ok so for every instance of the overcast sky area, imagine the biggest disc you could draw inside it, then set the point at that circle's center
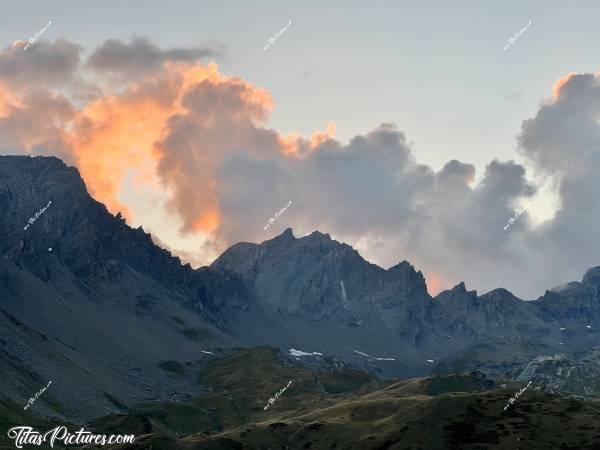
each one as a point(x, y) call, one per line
point(409, 130)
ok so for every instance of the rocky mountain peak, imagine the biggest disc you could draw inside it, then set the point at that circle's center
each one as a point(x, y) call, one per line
point(592, 277)
point(317, 235)
point(460, 288)
point(457, 293)
point(86, 240)
point(499, 294)
point(405, 274)
point(286, 236)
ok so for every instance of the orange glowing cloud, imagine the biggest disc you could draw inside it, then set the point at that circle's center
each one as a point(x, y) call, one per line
point(293, 144)
point(117, 134)
point(112, 136)
point(207, 222)
point(217, 115)
point(560, 83)
point(167, 131)
point(9, 101)
point(436, 284)
point(318, 138)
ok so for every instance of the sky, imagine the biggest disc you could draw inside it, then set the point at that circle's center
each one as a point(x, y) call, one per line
point(405, 129)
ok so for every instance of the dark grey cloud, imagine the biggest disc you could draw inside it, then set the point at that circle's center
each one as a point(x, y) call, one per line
point(370, 192)
point(38, 118)
point(373, 194)
point(43, 63)
point(140, 56)
point(219, 120)
point(565, 127)
point(563, 142)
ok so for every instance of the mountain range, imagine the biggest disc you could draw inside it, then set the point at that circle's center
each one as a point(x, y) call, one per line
point(110, 318)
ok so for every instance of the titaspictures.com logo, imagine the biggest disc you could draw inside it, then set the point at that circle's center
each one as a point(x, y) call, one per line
point(24, 435)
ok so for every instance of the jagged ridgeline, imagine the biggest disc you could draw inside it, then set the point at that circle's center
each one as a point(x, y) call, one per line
point(116, 322)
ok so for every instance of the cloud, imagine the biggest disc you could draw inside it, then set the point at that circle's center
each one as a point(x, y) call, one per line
point(183, 135)
point(34, 120)
point(566, 126)
point(185, 256)
point(373, 194)
point(141, 56)
point(45, 63)
point(563, 142)
point(221, 118)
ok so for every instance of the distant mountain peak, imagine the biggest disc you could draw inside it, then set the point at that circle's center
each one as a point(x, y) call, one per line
point(592, 277)
point(402, 266)
point(499, 294)
point(570, 286)
point(286, 236)
point(460, 287)
point(319, 235)
point(457, 292)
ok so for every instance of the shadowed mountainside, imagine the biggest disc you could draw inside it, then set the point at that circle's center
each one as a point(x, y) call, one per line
point(100, 311)
point(296, 283)
point(111, 319)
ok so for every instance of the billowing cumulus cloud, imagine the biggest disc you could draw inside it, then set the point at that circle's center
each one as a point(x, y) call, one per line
point(36, 119)
point(566, 126)
point(44, 63)
point(141, 56)
point(182, 137)
point(373, 194)
point(563, 141)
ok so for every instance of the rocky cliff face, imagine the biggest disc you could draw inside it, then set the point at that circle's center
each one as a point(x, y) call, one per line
point(389, 314)
point(90, 243)
point(386, 312)
point(91, 304)
point(578, 375)
point(304, 276)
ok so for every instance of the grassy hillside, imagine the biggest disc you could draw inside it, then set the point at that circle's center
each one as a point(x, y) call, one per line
point(347, 409)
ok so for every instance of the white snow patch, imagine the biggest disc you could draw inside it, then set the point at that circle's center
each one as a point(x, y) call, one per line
point(430, 360)
point(374, 357)
point(295, 352)
point(562, 329)
point(204, 351)
point(588, 326)
point(344, 296)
